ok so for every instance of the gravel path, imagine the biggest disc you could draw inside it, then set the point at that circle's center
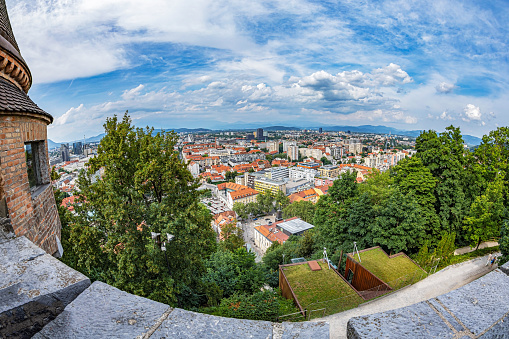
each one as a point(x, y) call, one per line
point(444, 281)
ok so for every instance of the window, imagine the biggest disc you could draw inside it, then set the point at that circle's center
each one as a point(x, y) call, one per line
point(37, 169)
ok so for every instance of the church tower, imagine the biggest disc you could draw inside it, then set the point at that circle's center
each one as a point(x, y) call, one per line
point(27, 203)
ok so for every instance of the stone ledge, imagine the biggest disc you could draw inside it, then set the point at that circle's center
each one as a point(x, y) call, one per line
point(34, 287)
point(479, 309)
point(103, 311)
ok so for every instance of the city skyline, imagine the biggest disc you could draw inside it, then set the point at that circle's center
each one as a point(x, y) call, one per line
point(203, 64)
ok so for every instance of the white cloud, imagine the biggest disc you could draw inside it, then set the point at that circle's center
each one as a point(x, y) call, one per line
point(444, 87)
point(445, 116)
point(472, 112)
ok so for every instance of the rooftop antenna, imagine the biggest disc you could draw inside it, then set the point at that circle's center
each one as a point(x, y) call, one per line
point(325, 257)
point(355, 249)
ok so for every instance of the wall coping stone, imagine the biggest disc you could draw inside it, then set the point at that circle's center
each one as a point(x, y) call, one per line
point(479, 309)
point(34, 287)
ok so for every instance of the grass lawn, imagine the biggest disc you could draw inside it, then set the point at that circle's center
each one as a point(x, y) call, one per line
point(396, 272)
point(321, 289)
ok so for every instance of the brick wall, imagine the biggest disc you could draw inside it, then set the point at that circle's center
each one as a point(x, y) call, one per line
point(32, 215)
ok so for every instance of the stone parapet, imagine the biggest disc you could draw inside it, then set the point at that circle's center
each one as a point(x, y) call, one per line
point(479, 309)
point(103, 311)
point(34, 288)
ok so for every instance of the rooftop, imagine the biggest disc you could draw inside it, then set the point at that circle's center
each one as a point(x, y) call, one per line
point(390, 269)
point(294, 225)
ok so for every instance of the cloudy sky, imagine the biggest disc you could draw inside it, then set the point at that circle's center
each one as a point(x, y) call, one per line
point(226, 64)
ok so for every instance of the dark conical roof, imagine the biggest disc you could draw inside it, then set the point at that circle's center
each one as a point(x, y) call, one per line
point(12, 65)
point(5, 26)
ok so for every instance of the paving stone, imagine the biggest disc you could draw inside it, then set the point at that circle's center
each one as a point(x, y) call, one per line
point(415, 321)
point(499, 331)
point(34, 287)
point(480, 303)
point(454, 323)
point(103, 311)
point(186, 324)
point(315, 330)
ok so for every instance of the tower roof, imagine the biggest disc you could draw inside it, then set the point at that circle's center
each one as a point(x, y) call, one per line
point(5, 26)
point(12, 66)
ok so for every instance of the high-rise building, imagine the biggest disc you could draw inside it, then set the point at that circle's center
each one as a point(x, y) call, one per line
point(320, 130)
point(64, 152)
point(26, 195)
point(259, 133)
point(293, 152)
point(77, 148)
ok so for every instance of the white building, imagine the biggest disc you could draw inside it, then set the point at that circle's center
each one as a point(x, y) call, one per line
point(293, 152)
point(297, 173)
point(194, 168)
point(277, 173)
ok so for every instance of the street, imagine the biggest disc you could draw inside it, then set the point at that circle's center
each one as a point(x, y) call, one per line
point(248, 228)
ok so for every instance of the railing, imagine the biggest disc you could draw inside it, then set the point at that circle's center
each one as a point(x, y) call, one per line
point(328, 307)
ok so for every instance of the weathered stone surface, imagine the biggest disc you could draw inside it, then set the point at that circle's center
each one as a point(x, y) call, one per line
point(315, 330)
point(185, 324)
point(416, 321)
point(499, 331)
point(447, 316)
point(479, 308)
point(481, 303)
point(103, 311)
point(34, 287)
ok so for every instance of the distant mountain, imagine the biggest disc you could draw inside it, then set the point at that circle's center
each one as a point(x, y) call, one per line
point(52, 144)
point(281, 128)
point(470, 140)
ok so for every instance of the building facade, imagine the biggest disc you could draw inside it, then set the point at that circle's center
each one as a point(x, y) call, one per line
point(263, 185)
point(26, 194)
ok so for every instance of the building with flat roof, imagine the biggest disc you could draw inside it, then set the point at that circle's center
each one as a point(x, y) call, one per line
point(293, 226)
point(277, 173)
point(263, 185)
point(310, 165)
point(329, 171)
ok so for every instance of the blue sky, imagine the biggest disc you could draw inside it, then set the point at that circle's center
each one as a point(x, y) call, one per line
point(222, 64)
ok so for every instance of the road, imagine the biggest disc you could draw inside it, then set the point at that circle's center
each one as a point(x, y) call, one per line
point(248, 228)
point(444, 281)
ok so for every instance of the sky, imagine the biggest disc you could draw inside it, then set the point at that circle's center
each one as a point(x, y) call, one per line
point(219, 64)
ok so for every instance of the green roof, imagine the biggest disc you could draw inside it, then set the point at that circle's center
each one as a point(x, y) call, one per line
point(390, 270)
point(321, 289)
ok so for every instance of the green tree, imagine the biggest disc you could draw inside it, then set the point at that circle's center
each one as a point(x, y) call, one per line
point(504, 241)
point(240, 209)
point(398, 225)
point(54, 175)
point(302, 209)
point(230, 175)
point(281, 200)
point(265, 202)
point(144, 188)
point(233, 236)
point(486, 214)
point(415, 179)
point(325, 161)
point(444, 156)
point(234, 272)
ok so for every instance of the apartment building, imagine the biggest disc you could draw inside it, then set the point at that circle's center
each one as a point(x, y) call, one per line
point(263, 184)
point(329, 171)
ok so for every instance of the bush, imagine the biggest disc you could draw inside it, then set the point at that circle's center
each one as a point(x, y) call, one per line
point(264, 305)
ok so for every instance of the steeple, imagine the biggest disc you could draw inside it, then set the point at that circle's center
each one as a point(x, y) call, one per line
point(12, 66)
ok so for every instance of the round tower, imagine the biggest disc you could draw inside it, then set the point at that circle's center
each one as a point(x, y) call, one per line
point(27, 203)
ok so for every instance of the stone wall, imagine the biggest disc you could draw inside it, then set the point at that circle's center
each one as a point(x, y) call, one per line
point(33, 213)
point(479, 309)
